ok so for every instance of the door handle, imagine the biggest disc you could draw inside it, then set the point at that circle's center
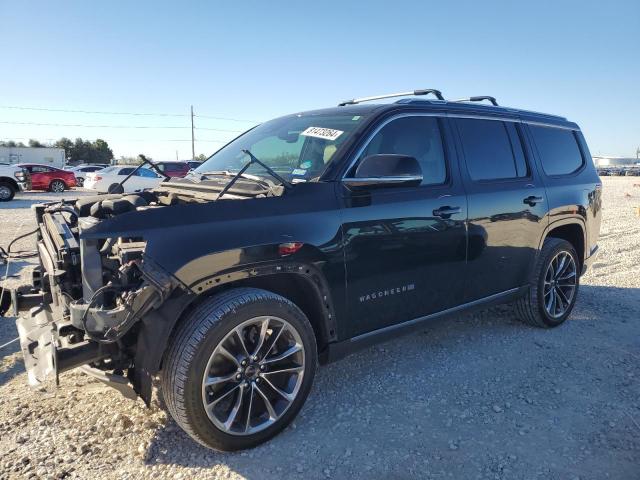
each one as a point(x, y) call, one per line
point(446, 212)
point(532, 200)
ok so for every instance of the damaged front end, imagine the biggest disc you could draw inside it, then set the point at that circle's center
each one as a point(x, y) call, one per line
point(89, 296)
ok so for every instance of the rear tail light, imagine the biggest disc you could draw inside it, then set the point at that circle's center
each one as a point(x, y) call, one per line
point(96, 177)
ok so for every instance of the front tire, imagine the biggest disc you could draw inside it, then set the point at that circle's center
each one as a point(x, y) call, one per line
point(7, 191)
point(239, 368)
point(554, 285)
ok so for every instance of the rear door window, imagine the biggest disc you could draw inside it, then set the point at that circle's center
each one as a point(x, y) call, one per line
point(492, 149)
point(558, 149)
point(125, 171)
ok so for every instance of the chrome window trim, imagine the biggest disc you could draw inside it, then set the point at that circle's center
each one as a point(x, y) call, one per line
point(445, 115)
point(549, 125)
point(380, 127)
point(398, 179)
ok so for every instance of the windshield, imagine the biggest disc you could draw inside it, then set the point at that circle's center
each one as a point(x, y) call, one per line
point(295, 147)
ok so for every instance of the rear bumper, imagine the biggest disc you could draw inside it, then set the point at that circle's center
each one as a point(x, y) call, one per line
point(586, 265)
point(24, 186)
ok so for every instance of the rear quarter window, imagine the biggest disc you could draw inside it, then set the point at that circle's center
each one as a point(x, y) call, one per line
point(558, 149)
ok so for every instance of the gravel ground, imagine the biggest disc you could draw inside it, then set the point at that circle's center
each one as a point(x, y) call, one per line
point(479, 396)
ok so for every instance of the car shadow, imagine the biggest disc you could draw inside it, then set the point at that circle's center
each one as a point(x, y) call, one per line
point(418, 368)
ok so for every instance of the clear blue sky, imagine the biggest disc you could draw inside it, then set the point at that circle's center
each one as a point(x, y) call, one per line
point(256, 60)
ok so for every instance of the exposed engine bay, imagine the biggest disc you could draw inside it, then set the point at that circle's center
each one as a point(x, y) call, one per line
point(89, 294)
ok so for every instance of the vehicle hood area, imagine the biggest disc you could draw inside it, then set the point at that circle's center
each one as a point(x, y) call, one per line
point(175, 192)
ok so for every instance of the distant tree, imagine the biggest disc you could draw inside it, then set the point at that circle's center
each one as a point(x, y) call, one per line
point(85, 151)
point(202, 157)
point(65, 143)
point(35, 143)
point(101, 151)
point(11, 143)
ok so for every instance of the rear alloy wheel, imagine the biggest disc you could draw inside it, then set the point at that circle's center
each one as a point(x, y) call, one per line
point(7, 192)
point(239, 368)
point(554, 285)
point(57, 186)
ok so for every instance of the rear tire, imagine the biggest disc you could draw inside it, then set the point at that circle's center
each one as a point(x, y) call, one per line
point(57, 186)
point(7, 192)
point(206, 375)
point(553, 287)
point(79, 182)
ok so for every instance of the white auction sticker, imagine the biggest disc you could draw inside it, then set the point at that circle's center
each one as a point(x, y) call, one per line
point(324, 133)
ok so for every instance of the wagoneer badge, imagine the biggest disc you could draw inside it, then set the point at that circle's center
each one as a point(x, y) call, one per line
point(387, 292)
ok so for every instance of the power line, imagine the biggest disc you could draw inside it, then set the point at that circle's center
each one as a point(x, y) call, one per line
point(6, 139)
point(117, 126)
point(225, 118)
point(145, 114)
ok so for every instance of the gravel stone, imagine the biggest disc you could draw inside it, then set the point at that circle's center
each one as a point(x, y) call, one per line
point(568, 397)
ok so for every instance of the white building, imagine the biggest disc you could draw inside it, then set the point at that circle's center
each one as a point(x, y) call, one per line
point(47, 155)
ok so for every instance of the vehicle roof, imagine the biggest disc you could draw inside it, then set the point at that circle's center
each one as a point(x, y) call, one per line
point(128, 166)
point(450, 107)
point(29, 164)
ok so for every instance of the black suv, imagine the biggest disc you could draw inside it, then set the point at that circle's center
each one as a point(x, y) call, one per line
point(305, 238)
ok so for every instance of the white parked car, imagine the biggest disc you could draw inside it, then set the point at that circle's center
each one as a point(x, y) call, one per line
point(104, 179)
point(81, 172)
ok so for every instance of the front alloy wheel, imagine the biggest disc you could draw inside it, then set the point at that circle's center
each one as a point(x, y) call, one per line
point(253, 375)
point(239, 368)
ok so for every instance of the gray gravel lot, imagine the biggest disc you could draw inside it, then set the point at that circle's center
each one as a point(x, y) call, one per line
point(478, 396)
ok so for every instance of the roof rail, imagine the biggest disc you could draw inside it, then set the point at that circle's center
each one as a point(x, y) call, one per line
point(478, 99)
point(425, 91)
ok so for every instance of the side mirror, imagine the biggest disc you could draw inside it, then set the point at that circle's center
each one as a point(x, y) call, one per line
point(386, 170)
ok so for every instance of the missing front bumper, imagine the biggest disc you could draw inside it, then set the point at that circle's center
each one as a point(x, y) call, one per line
point(38, 337)
point(45, 353)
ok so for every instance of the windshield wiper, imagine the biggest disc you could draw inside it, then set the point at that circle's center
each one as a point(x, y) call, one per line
point(144, 160)
point(253, 159)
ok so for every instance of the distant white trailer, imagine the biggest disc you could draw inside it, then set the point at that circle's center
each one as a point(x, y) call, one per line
point(46, 155)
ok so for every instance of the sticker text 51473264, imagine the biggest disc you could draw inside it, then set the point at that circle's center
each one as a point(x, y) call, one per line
point(324, 133)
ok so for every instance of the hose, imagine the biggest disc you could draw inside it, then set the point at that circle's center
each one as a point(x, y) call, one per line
point(83, 319)
point(6, 254)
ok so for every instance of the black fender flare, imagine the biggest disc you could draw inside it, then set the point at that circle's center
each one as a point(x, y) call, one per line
point(157, 325)
point(573, 220)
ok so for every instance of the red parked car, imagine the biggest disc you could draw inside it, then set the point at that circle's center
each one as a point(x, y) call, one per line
point(173, 169)
point(44, 177)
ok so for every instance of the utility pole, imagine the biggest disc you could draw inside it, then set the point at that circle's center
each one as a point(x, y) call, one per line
point(176, 155)
point(193, 139)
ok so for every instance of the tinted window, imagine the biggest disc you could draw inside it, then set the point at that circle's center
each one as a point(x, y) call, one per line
point(418, 137)
point(125, 171)
point(558, 148)
point(145, 172)
point(492, 149)
point(175, 167)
